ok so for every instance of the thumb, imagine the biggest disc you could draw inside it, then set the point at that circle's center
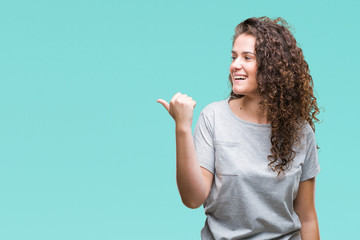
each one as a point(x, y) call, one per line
point(164, 103)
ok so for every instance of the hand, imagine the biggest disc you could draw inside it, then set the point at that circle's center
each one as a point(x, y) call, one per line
point(180, 108)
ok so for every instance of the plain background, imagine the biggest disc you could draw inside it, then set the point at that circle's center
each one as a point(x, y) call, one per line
point(86, 152)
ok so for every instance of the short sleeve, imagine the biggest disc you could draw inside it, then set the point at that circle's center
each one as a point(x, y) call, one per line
point(203, 141)
point(311, 165)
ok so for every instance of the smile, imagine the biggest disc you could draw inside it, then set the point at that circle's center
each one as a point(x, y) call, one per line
point(239, 77)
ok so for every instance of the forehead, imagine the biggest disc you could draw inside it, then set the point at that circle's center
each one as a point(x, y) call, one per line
point(244, 42)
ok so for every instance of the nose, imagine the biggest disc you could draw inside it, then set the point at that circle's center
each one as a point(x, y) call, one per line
point(237, 64)
point(236, 68)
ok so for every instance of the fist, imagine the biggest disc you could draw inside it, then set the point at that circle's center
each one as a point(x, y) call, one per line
point(181, 108)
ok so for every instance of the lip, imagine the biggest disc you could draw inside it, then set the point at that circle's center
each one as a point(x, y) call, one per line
point(238, 81)
point(238, 74)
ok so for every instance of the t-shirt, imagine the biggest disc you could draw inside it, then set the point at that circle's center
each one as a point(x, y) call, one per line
point(247, 200)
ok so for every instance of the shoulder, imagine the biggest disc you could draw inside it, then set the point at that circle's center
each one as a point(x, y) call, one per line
point(212, 108)
point(306, 129)
point(308, 134)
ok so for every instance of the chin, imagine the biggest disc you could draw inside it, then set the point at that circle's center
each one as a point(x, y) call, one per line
point(238, 91)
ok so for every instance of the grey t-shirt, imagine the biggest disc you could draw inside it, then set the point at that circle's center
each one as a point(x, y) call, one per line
point(247, 200)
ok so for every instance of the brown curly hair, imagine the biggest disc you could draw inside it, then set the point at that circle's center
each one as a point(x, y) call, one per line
point(285, 87)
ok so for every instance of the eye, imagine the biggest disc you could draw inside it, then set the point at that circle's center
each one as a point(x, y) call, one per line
point(247, 58)
point(233, 58)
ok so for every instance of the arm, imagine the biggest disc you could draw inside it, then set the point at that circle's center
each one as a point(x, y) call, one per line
point(304, 206)
point(193, 182)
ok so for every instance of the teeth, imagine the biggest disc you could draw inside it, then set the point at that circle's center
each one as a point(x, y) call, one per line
point(240, 77)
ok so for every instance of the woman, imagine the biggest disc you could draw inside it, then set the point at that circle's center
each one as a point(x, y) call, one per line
point(252, 160)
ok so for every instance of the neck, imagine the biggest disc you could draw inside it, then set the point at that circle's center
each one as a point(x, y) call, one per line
point(250, 107)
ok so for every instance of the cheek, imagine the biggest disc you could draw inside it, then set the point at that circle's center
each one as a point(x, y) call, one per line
point(254, 69)
point(231, 68)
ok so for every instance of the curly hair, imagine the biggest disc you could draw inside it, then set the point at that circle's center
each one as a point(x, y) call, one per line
point(285, 87)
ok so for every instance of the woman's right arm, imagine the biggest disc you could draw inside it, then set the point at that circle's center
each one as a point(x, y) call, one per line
point(193, 181)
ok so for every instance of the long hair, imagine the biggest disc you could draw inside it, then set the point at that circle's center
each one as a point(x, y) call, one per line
point(285, 87)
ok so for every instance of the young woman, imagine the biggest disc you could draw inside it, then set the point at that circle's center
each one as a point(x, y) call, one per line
point(252, 159)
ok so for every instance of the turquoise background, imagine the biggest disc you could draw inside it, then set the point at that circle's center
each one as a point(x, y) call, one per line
point(86, 152)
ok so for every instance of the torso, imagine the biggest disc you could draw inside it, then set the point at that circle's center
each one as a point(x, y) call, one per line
point(246, 199)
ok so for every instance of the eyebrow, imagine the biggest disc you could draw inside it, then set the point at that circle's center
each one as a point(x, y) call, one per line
point(245, 52)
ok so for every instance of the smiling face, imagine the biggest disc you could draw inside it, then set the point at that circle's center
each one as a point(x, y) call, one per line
point(243, 66)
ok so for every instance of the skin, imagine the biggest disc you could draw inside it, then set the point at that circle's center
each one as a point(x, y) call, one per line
point(193, 187)
point(304, 206)
point(244, 62)
point(194, 182)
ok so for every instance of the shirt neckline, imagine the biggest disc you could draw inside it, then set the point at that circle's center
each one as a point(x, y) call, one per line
point(243, 121)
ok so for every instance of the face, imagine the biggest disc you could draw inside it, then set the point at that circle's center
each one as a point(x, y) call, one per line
point(243, 66)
